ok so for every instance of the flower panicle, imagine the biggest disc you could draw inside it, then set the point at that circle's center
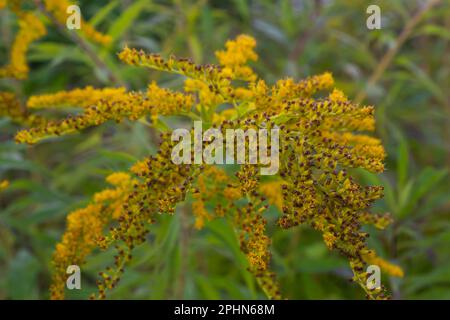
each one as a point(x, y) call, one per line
point(208, 73)
point(11, 107)
point(373, 259)
point(318, 145)
point(85, 228)
point(3, 185)
point(288, 89)
point(102, 105)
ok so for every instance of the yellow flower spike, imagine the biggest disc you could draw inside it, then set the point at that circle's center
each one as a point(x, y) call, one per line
point(337, 96)
point(122, 181)
point(232, 193)
point(192, 85)
point(10, 106)
point(289, 89)
point(206, 95)
point(103, 105)
point(217, 174)
point(200, 214)
point(255, 245)
point(367, 152)
point(119, 179)
point(379, 221)
point(83, 98)
point(329, 239)
point(140, 168)
point(83, 227)
point(243, 94)
point(228, 114)
point(31, 28)
point(90, 33)
point(3, 185)
point(238, 52)
point(318, 142)
point(389, 268)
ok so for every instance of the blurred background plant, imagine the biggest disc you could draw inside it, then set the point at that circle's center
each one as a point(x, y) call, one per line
point(403, 69)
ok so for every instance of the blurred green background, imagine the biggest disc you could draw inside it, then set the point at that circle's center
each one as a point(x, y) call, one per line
point(403, 69)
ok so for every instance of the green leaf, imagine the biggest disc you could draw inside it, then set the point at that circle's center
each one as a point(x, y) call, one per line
point(225, 232)
point(428, 178)
point(402, 163)
point(126, 19)
point(425, 80)
point(22, 276)
point(403, 197)
point(103, 13)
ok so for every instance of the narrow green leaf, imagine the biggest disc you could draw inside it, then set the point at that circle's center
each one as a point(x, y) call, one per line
point(103, 13)
point(124, 22)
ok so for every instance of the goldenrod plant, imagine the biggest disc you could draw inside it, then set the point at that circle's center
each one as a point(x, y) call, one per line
point(114, 160)
point(318, 145)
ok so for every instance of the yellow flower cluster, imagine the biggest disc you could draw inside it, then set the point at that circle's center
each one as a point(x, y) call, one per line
point(256, 245)
point(318, 144)
point(377, 220)
point(371, 258)
point(161, 185)
point(209, 73)
point(216, 187)
point(273, 192)
point(288, 89)
point(85, 228)
point(102, 105)
point(166, 102)
point(11, 107)
point(236, 56)
point(198, 205)
point(3, 185)
point(82, 98)
point(213, 185)
point(30, 29)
